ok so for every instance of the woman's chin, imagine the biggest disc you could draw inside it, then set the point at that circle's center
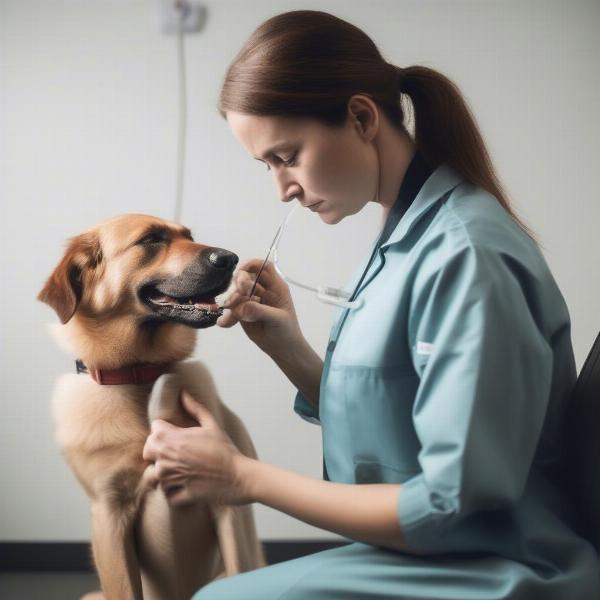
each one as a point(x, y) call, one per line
point(331, 217)
point(330, 220)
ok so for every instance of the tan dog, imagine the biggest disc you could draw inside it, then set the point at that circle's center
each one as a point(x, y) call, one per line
point(130, 294)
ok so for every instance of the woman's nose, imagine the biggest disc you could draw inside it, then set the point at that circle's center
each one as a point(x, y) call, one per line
point(290, 193)
point(287, 190)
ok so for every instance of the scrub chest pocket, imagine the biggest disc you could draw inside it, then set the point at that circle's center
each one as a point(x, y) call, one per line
point(376, 398)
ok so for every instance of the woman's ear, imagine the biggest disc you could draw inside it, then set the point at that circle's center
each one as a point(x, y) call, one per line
point(364, 115)
point(64, 288)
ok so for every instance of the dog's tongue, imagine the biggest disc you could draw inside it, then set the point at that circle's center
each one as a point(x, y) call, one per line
point(163, 298)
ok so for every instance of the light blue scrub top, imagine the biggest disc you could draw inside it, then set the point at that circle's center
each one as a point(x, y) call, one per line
point(452, 379)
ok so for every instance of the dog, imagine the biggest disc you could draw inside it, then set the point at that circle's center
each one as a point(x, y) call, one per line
point(131, 294)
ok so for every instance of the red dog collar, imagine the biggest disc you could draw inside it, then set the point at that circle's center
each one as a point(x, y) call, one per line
point(134, 374)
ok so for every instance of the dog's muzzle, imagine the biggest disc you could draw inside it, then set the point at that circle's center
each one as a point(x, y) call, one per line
point(189, 297)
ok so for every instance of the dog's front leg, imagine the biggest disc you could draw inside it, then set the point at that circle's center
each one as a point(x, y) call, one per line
point(114, 551)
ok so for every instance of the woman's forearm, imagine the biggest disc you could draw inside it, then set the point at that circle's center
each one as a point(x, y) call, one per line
point(365, 512)
point(303, 367)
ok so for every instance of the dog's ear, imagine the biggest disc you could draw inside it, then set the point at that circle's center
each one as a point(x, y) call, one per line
point(64, 287)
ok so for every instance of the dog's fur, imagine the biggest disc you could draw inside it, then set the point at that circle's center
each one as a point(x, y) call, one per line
point(143, 546)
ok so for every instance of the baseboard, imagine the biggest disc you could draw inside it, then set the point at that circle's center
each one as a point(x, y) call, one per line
point(76, 556)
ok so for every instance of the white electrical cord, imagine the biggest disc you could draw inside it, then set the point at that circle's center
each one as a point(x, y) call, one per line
point(182, 129)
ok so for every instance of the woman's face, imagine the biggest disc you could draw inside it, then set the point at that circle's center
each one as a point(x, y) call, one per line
point(334, 171)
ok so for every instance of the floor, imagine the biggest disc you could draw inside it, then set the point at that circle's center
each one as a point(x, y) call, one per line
point(39, 585)
point(71, 585)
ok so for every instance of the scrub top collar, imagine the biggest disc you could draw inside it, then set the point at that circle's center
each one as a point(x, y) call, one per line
point(417, 173)
point(442, 180)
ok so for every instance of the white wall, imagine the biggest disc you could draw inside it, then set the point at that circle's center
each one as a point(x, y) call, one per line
point(88, 129)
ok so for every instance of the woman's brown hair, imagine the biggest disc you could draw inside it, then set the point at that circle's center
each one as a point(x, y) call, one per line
point(308, 64)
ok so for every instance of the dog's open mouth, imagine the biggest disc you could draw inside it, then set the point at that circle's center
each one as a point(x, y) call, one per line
point(206, 304)
point(198, 311)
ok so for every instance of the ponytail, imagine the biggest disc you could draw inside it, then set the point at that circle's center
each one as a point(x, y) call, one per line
point(446, 131)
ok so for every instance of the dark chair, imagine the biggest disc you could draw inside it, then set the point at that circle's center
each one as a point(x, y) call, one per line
point(583, 447)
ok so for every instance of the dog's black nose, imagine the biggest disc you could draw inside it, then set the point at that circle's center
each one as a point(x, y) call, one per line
point(222, 259)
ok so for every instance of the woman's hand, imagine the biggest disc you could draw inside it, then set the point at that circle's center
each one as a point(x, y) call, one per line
point(269, 318)
point(195, 463)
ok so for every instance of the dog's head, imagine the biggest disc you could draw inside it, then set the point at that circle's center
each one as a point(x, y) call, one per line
point(139, 278)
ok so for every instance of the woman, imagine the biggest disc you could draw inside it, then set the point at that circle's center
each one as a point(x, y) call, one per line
point(443, 394)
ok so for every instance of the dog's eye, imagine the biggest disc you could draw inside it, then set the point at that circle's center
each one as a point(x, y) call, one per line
point(152, 238)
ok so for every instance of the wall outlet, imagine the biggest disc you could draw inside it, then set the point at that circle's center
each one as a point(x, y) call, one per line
point(191, 16)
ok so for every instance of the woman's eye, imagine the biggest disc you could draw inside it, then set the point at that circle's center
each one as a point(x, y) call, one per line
point(290, 162)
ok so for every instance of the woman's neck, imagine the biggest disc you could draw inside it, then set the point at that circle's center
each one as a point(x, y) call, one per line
point(396, 151)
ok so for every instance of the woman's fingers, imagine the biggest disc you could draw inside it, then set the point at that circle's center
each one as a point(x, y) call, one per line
point(178, 496)
point(268, 275)
point(236, 310)
point(238, 298)
point(239, 291)
point(245, 282)
point(149, 476)
point(227, 319)
point(242, 284)
point(251, 312)
point(174, 487)
point(252, 265)
point(268, 294)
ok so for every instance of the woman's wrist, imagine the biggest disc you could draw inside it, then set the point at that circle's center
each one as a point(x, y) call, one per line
point(303, 367)
point(290, 352)
point(245, 478)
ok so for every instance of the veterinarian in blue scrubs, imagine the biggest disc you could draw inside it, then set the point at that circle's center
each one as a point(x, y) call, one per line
point(442, 397)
